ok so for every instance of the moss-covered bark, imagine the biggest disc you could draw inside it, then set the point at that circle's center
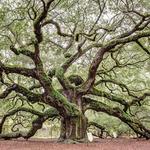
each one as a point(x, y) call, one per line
point(73, 129)
point(131, 121)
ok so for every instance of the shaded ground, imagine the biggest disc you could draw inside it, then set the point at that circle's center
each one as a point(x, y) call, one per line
point(102, 144)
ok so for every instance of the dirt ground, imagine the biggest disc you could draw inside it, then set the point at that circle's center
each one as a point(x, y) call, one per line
point(101, 144)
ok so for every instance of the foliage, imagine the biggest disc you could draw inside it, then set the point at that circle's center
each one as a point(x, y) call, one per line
point(77, 61)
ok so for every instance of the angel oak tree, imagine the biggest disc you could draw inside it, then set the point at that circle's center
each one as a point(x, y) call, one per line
point(43, 41)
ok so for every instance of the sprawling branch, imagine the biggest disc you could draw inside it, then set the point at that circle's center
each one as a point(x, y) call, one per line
point(32, 97)
point(18, 70)
point(110, 97)
point(22, 51)
point(132, 122)
point(121, 85)
point(143, 48)
point(36, 124)
point(77, 55)
point(99, 56)
point(59, 31)
point(120, 100)
point(139, 99)
point(138, 27)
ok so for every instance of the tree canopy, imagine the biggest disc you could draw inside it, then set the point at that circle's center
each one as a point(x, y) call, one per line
point(68, 59)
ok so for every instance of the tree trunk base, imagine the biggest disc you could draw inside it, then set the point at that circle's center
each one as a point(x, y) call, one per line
point(70, 141)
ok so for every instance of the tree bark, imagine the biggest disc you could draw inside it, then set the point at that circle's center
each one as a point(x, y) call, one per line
point(73, 129)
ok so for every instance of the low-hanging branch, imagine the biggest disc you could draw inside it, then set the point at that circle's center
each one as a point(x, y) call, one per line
point(32, 97)
point(109, 96)
point(132, 122)
point(126, 103)
point(36, 123)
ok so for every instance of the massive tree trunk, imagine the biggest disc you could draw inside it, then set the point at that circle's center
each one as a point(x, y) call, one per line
point(73, 129)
